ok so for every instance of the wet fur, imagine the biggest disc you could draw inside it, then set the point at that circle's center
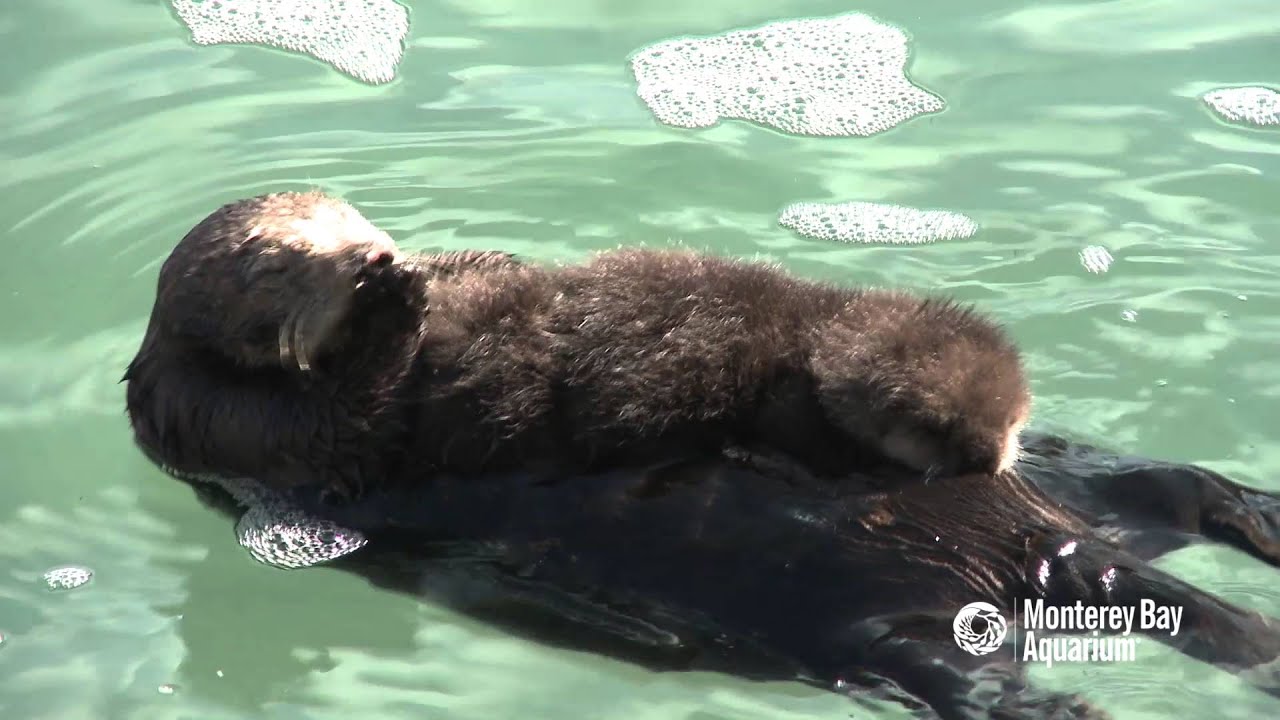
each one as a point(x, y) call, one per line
point(707, 564)
point(471, 362)
point(642, 350)
point(446, 368)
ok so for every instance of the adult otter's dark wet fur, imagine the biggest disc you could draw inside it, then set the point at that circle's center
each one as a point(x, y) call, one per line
point(290, 343)
point(706, 564)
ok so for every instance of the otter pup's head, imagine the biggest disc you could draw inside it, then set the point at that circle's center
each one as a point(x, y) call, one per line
point(271, 280)
point(930, 383)
point(974, 444)
point(960, 395)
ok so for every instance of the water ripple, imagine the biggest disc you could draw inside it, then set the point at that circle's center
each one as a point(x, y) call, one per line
point(515, 126)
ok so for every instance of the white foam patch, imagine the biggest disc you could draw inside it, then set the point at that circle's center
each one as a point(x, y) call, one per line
point(277, 533)
point(1256, 105)
point(842, 75)
point(362, 38)
point(68, 577)
point(1096, 259)
point(289, 538)
point(864, 222)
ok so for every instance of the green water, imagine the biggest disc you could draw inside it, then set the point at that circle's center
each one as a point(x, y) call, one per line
point(1067, 125)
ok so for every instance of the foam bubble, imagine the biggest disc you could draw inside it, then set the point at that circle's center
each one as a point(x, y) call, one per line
point(67, 577)
point(277, 533)
point(1257, 105)
point(1095, 259)
point(362, 38)
point(842, 75)
point(865, 222)
point(289, 538)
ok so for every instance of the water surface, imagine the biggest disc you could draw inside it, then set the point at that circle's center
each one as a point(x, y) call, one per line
point(514, 125)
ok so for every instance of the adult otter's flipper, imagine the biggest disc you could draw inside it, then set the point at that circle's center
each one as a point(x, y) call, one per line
point(1154, 507)
point(914, 652)
point(1063, 569)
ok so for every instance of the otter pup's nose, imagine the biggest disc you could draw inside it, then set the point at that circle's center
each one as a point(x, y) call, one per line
point(379, 257)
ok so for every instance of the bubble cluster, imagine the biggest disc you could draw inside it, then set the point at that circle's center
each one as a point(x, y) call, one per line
point(864, 222)
point(285, 537)
point(68, 577)
point(362, 38)
point(1257, 105)
point(842, 75)
point(1095, 259)
point(277, 533)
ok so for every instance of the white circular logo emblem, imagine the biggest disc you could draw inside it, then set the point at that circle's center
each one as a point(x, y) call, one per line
point(989, 633)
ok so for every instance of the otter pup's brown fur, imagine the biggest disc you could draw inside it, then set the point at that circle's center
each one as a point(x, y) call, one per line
point(290, 341)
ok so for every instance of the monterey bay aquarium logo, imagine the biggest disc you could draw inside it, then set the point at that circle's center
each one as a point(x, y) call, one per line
point(1070, 633)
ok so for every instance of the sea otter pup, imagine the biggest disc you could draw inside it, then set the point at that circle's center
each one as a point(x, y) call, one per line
point(292, 342)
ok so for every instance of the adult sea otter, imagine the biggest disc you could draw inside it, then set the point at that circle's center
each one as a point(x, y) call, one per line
point(568, 426)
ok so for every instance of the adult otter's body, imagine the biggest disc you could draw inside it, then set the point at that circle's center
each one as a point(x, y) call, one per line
point(707, 564)
point(345, 364)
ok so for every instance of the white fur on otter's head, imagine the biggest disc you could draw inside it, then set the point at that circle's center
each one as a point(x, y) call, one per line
point(270, 280)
